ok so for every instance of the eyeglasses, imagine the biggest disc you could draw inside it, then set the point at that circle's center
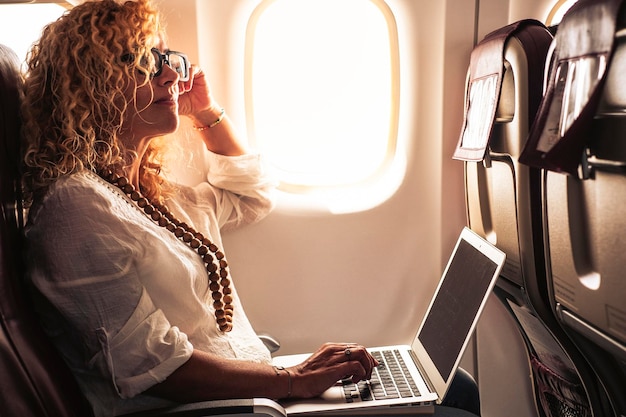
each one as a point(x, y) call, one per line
point(175, 60)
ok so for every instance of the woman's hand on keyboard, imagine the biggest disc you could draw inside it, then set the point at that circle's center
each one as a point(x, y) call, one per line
point(330, 363)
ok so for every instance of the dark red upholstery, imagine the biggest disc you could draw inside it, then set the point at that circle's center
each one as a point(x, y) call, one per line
point(33, 379)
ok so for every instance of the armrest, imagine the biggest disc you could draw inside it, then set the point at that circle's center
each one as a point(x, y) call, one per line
point(260, 407)
point(270, 342)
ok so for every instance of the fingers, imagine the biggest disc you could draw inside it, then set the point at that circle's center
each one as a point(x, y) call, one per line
point(186, 86)
point(329, 364)
point(194, 95)
point(358, 359)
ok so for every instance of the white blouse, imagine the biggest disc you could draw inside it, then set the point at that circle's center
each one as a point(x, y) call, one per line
point(122, 298)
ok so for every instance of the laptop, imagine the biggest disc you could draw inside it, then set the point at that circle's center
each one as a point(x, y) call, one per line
point(413, 378)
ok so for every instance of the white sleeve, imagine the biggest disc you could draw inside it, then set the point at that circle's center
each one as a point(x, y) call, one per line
point(143, 352)
point(82, 260)
point(238, 191)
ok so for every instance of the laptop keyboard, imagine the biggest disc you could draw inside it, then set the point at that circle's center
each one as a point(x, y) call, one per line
point(390, 379)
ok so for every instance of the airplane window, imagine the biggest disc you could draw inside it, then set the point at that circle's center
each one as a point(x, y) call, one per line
point(557, 12)
point(19, 36)
point(322, 90)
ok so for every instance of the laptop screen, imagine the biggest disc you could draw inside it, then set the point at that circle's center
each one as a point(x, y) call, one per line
point(452, 313)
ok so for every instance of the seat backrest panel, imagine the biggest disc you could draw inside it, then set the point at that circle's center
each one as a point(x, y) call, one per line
point(585, 228)
point(584, 217)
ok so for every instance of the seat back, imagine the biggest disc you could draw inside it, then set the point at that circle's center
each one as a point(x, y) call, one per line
point(503, 200)
point(585, 228)
point(35, 381)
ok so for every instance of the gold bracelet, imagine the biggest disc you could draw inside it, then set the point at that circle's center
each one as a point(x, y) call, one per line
point(282, 368)
point(215, 123)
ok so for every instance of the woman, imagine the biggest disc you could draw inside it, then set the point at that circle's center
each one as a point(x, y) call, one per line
point(126, 268)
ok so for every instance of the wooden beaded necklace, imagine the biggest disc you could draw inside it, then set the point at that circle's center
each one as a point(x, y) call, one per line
point(219, 281)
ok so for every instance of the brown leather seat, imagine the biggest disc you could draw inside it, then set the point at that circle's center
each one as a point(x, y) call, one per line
point(34, 382)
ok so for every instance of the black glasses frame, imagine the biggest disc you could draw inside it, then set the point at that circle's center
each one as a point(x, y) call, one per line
point(183, 70)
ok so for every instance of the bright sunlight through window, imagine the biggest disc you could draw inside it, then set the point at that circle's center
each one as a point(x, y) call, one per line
point(21, 24)
point(322, 90)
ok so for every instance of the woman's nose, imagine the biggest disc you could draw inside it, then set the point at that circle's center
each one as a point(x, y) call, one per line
point(168, 75)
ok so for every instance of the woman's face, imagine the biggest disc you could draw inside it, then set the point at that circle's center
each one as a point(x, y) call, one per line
point(152, 109)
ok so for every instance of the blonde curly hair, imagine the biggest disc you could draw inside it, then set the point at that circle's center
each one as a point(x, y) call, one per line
point(74, 102)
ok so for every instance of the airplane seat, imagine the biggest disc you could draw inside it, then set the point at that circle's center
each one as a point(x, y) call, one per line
point(584, 223)
point(503, 202)
point(35, 382)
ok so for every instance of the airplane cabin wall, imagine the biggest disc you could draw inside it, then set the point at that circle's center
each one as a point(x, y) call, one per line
point(305, 275)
